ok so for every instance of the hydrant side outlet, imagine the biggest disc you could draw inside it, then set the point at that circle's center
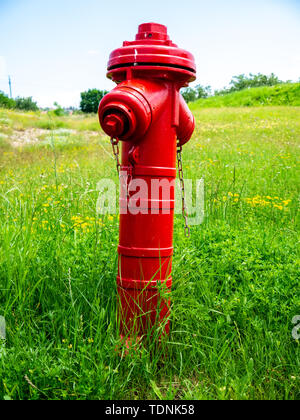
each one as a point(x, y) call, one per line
point(149, 115)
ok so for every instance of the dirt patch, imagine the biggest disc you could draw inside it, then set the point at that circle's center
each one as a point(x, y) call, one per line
point(29, 136)
point(32, 136)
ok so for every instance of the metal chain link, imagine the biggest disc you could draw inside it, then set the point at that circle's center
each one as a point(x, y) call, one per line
point(115, 147)
point(181, 179)
point(116, 152)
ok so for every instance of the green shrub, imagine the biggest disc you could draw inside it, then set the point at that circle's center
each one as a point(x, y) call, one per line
point(6, 102)
point(192, 94)
point(90, 100)
point(49, 124)
point(58, 111)
point(26, 104)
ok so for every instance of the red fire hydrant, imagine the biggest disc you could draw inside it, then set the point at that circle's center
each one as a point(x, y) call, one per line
point(148, 114)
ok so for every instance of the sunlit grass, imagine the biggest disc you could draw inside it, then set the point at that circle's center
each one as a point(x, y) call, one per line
point(282, 94)
point(236, 280)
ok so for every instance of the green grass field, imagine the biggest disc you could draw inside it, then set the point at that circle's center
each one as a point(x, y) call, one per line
point(236, 280)
point(283, 94)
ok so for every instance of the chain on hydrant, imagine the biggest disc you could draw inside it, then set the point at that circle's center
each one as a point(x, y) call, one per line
point(181, 179)
point(115, 148)
point(124, 180)
point(147, 113)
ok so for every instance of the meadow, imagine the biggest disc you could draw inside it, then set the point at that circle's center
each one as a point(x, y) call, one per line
point(281, 94)
point(235, 280)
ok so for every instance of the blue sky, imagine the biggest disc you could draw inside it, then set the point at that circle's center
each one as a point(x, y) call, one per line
point(55, 49)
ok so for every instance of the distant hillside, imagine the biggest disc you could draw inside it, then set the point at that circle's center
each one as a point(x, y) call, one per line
point(283, 94)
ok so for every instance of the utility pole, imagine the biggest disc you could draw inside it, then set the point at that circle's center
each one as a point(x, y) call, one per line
point(9, 82)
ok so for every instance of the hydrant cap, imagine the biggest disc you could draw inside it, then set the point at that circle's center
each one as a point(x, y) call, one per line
point(114, 124)
point(152, 49)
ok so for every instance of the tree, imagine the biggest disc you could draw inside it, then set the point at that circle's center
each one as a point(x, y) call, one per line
point(6, 102)
point(90, 100)
point(192, 94)
point(203, 91)
point(26, 104)
point(241, 81)
point(189, 94)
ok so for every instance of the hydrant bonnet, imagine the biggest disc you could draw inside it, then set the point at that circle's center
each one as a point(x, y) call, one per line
point(152, 50)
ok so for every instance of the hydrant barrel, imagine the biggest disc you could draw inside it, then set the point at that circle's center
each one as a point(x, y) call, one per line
point(147, 113)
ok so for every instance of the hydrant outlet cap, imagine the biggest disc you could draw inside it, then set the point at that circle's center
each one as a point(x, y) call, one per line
point(114, 124)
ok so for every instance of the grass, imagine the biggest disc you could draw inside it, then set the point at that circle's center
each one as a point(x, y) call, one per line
point(236, 280)
point(18, 120)
point(284, 94)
